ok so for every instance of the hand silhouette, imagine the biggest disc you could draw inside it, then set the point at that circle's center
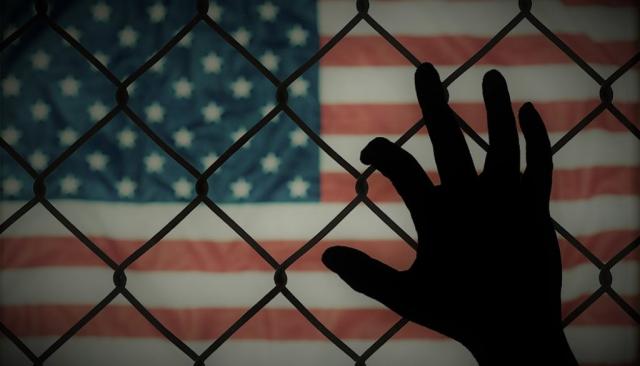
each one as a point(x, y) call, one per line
point(487, 271)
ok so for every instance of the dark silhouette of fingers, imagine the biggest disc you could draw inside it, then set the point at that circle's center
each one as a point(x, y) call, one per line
point(367, 275)
point(503, 157)
point(538, 174)
point(450, 149)
point(407, 176)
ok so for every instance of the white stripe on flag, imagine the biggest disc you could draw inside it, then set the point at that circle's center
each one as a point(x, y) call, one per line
point(183, 289)
point(395, 84)
point(581, 217)
point(590, 148)
point(479, 18)
point(592, 345)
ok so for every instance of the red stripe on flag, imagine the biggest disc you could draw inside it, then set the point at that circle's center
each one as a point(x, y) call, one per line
point(616, 3)
point(207, 323)
point(396, 119)
point(633, 363)
point(569, 184)
point(513, 50)
point(267, 324)
point(604, 311)
point(212, 256)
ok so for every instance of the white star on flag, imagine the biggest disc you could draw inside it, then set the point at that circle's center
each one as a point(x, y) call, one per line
point(74, 33)
point(212, 112)
point(40, 60)
point(299, 87)
point(270, 60)
point(298, 187)
point(186, 40)
point(69, 184)
point(298, 138)
point(267, 108)
point(235, 136)
point(157, 12)
point(242, 36)
point(67, 136)
point(38, 160)
point(11, 186)
point(131, 89)
point(11, 135)
point(102, 57)
point(268, 11)
point(183, 137)
point(297, 36)
point(97, 161)
point(126, 187)
point(215, 11)
point(212, 63)
point(10, 86)
point(128, 37)
point(40, 110)
point(69, 86)
point(127, 138)
point(154, 162)
point(154, 112)
point(97, 111)
point(270, 163)
point(241, 88)
point(158, 67)
point(183, 88)
point(101, 12)
point(208, 160)
point(241, 188)
point(182, 188)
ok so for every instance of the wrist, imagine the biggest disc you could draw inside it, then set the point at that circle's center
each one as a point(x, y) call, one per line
point(526, 346)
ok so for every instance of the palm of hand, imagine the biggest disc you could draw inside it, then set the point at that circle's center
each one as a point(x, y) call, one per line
point(487, 256)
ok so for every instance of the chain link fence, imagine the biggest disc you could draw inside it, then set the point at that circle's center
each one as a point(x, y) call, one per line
point(361, 14)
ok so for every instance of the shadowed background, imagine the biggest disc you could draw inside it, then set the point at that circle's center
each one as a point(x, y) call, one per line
point(120, 187)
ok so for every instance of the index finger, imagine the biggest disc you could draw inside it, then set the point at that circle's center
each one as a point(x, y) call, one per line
point(450, 149)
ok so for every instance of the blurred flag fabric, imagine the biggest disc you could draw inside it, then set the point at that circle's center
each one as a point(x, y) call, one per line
point(120, 188)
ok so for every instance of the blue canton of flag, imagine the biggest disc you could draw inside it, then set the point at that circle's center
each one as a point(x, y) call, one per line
point(200, 98)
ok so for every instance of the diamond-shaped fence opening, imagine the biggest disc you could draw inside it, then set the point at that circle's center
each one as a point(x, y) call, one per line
point(33, 309)
point(207, 285)
point(352, 316)
point(285, 326)
point(615, 43)
point(612, 88)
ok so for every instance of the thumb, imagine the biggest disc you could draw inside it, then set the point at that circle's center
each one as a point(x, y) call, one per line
point(366, 275)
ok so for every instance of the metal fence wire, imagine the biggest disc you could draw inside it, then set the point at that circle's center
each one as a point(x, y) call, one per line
point(361, 14)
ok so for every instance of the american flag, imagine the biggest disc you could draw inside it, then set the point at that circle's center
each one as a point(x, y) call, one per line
point(120, 188)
